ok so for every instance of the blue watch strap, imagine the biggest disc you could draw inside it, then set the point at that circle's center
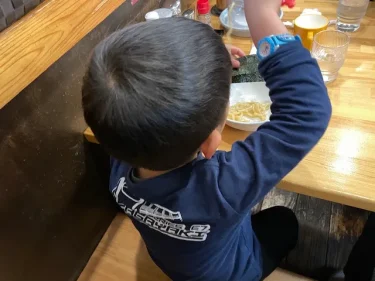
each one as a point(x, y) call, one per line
point(270, 44)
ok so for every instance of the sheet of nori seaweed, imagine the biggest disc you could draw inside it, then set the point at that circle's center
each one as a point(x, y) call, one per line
point(248, 71)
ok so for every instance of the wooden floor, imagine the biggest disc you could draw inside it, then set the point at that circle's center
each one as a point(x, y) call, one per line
point(327, 234)
point(121, 255)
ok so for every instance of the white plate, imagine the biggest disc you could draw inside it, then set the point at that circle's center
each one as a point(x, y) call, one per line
point(240, 27)
point(246, 92)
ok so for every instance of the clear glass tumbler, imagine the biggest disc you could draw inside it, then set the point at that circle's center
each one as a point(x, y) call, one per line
point(350, 14)
point(236, 14)
point(329, 49)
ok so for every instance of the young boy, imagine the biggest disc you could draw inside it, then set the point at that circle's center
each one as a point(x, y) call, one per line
point(156, 96)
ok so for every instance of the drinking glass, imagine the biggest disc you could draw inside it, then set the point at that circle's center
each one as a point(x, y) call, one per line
point(350, 14)
point(329, 49)
point(236, 13)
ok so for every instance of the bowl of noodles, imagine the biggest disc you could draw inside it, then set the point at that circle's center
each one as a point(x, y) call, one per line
point(249, 106)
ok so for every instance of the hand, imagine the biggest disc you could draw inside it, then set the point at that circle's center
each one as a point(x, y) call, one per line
point(263, 18)
point(235, 53)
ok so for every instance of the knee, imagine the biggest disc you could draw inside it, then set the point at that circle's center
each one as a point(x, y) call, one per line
point(293, 225)
point(290, 221)
point(288, 216)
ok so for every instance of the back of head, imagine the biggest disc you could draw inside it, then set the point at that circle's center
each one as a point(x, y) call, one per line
point(154, 91)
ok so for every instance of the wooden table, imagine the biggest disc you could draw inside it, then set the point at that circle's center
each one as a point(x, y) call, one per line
point(341, 168)
point(36, 41)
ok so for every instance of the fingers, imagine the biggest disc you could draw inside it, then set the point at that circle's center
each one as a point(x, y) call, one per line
point(237, 52)
point(234, 53)
point(235, 63)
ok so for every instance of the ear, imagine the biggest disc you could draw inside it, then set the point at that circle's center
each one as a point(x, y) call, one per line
point(210, 145)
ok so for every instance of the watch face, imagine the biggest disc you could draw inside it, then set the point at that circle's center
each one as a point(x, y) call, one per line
point(285, 37)
point(265, 49)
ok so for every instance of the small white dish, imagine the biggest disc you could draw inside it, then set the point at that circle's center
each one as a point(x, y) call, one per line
point(159, 14)
point(246, 92)
point(240, 27)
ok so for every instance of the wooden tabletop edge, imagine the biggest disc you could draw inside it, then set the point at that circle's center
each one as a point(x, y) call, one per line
point(89, 135)
point(37, 40)
point(324, 193)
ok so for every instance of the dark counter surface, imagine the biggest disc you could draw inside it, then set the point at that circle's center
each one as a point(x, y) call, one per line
point(54, 199)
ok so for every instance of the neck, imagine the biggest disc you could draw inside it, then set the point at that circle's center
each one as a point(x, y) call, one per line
point(148, 174)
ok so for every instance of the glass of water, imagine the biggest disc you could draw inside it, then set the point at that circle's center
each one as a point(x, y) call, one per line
point(329, 49)
point(350, 14)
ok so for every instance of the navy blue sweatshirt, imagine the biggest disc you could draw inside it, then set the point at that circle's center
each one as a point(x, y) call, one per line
point(195, 220)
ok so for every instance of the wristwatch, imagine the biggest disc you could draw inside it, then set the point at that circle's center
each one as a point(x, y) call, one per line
point(270, 44)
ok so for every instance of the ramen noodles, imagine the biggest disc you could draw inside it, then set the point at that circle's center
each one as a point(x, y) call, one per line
point(249, 111)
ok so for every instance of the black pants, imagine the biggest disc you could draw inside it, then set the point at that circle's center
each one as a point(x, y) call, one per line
point(361, 262)
point(277, 231)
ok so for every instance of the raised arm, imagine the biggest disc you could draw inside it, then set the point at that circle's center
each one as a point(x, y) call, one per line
point(300, 109)
point(263, 18)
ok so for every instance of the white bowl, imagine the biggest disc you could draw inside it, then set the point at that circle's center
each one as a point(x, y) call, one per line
point(159, 14)
point(246, 92)
point(240, 27)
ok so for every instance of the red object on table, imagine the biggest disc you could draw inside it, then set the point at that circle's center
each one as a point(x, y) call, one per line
point(289, 3)
point(203, 7)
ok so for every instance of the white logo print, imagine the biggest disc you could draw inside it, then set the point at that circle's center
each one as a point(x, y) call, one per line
point(157, 217)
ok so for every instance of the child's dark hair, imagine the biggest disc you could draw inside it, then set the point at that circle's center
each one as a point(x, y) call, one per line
point(154, 91)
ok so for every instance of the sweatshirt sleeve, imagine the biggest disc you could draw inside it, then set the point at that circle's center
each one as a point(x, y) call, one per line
point(301, 111)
